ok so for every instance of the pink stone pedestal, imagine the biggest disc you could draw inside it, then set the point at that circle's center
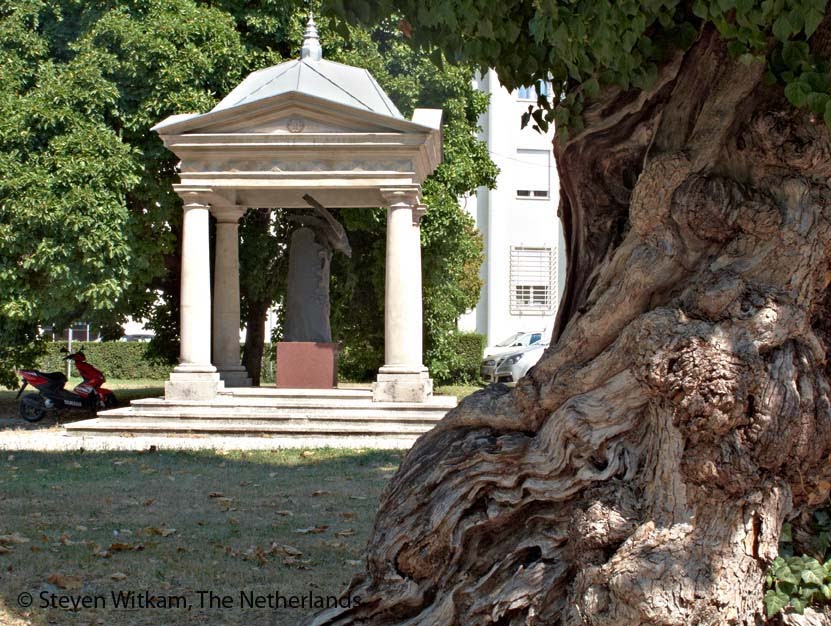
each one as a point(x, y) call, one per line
point(306, 365)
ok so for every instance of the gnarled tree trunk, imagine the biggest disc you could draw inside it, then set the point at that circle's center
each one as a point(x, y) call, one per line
point(641, 473)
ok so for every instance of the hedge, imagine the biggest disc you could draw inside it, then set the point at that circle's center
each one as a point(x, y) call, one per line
point(127, 360)
point(463, 359)
point(117, 359)
point(469, 350)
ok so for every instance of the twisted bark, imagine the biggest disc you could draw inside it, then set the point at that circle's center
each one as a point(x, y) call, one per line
point(641, 473)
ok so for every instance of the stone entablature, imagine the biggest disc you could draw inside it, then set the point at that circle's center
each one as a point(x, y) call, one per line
point(219, 148)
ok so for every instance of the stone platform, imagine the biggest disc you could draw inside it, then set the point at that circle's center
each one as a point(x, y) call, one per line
point(338, 418)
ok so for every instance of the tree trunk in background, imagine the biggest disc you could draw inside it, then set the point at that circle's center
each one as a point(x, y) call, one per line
point(252, 352)
point(641, 473)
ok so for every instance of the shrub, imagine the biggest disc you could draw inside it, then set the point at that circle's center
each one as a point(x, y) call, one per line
point(117, 359)
point(359, 361)
point(462, 364)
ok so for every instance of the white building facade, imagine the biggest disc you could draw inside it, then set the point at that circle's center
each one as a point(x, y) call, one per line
point(524, 268)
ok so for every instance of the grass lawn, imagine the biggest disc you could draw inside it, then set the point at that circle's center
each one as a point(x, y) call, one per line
point(87, 525)
point(95, 526)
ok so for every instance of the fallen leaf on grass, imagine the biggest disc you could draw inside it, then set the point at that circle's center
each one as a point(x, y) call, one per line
point(346, 533)
point(284, 513)
point(118, 576)
point(164, 532)
point(314, 530)
point(65, 582)
point(14, 538)
point(4, 549)
point(216, 494)
point(125, 547)
point(255, 552)
point(320, 492)
point(347, 515)
point(357, 497)
point(281, 548)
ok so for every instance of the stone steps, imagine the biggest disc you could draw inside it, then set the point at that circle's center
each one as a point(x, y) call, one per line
point(274, 414)
point(308, 418)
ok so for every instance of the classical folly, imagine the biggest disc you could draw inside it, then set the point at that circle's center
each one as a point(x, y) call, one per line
point(308, 126)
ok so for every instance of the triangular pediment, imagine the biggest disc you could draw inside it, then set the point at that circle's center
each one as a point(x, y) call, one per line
point(288, 114)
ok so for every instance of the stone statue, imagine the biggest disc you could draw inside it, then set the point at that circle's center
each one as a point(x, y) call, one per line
point(310, 253)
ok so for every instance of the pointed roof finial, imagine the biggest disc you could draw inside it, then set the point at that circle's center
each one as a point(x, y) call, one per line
point(311, 49)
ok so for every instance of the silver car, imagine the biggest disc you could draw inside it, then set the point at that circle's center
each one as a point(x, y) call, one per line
point(511, 366)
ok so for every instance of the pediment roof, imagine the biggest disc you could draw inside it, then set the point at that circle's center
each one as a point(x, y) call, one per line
point(270, 115)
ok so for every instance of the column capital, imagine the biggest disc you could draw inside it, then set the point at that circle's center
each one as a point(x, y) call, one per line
point(227, 214)
point(398, 196)
point(418, 212)
point(193, 197)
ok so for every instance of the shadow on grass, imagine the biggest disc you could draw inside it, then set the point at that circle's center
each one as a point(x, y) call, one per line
point(270, 534)
point(10, 417)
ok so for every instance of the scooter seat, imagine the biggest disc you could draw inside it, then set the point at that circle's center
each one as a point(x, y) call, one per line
point(57, 377)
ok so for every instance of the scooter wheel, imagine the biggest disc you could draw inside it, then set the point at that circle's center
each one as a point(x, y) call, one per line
point(32, 410)
point(110, 401)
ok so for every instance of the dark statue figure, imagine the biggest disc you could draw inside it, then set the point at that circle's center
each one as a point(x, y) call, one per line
point(310, 253)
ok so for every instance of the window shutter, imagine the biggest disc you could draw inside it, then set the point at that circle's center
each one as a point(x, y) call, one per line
point(532, 173)
point(533, 280)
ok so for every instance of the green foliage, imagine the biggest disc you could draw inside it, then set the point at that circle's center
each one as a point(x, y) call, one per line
point(583, 47)
point(462, 366)
point(88, 218)
point(123, 360)
point(798, 581)
point(20, 348)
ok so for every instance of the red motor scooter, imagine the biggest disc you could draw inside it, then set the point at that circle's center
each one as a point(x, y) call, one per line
point(88, 395)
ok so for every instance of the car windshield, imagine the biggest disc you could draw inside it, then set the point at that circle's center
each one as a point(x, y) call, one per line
point(509, 341)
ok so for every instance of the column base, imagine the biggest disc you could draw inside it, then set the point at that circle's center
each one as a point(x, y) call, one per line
point(234, 375)
point(193, 382)
point(399, 384)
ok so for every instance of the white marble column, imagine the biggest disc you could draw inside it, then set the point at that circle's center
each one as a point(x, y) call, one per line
point(194, 378)
point(403, 378)
point(226, 313)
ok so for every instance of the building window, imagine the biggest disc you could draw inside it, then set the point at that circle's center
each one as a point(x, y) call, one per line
point(533, 174)
point(541, 88)
point(533, 280)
